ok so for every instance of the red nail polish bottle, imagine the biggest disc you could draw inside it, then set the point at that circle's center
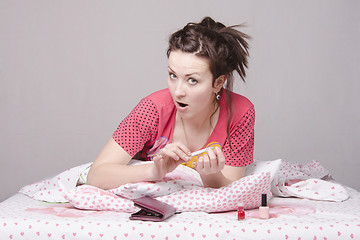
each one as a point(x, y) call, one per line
point(241, 212)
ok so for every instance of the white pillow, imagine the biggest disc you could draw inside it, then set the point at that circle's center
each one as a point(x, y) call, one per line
point(264, 166)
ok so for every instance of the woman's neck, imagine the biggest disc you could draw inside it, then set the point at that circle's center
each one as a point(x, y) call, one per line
point(203, 119)
point(196, 131)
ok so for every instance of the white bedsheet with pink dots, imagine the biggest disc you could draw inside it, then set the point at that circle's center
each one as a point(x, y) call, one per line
point(22, 217)
point(305, 204)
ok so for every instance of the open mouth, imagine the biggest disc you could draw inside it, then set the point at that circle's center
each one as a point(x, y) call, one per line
point(182, 104)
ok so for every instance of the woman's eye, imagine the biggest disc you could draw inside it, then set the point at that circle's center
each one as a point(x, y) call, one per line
point(192, 81)
point(172, 76)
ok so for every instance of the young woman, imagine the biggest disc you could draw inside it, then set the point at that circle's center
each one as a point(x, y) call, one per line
point(197, 109)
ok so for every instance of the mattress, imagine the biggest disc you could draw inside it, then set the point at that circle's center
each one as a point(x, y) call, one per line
point(22, 217)
point(305, 203)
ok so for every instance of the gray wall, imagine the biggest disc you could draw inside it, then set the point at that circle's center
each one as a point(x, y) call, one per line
point(71, 70)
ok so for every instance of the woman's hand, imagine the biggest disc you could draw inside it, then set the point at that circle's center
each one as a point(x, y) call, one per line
point(169, 158)
point(210, 163)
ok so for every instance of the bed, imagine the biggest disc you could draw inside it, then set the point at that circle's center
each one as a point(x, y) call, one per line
point(62, 207)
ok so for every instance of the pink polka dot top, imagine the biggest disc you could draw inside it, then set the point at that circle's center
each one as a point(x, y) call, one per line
point(150, 125)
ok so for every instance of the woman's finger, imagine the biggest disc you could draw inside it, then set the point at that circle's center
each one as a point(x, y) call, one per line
point(206, 163)
point(166, 152)
point(220, 157)
point(176, 151)
point(184, 149)
point(212, 158)
point(181, 154)
point(199, 164)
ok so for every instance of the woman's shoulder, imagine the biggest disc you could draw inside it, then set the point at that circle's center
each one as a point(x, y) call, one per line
point(242, 107)
point(240, 102)
point(160, 95)
point(161, 99)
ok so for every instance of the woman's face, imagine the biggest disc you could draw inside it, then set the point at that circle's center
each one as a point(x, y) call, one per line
point(190, 84)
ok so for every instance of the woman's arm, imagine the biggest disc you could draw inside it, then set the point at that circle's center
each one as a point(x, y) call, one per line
point(223, 178)
point(110, 169)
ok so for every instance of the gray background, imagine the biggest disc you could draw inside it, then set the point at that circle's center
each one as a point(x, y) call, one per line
point(70, 71)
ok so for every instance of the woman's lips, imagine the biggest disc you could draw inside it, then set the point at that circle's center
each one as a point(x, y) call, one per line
point(182, 106)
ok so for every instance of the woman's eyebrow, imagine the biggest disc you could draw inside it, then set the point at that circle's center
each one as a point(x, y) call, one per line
point(186, 75)
point(170, 69)
point(194, 73)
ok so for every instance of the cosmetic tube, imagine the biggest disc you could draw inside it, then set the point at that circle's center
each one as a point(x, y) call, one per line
point(241, 212)
point(264, 209)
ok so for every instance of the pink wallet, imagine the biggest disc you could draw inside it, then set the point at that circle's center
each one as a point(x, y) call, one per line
point(152, 210)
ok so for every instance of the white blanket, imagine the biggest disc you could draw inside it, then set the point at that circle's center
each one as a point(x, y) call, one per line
point(183, 188)
point(309, 180)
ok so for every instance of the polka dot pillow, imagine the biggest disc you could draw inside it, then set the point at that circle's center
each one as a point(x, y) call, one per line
point(246, 190)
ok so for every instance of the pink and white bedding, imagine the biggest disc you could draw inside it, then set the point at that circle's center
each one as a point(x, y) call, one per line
point(322, 209)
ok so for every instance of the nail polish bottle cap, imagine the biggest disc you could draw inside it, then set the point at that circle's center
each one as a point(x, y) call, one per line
point(263, 200)
point(240, 207)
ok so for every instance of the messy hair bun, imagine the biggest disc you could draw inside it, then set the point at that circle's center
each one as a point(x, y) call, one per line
point(225, 47)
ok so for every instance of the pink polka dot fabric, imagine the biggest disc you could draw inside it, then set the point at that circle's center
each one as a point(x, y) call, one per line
point(184, 198)
point(242, 142)
point(153, 120)
point(138, 128)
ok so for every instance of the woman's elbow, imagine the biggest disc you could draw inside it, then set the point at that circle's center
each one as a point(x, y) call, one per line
point(94, 179)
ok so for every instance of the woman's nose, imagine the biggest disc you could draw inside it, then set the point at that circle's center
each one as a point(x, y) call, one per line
point(179, 90)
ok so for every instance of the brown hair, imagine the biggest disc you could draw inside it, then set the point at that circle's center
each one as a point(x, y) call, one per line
point(225, 47)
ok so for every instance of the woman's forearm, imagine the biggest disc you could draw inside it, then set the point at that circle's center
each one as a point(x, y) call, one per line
point(215, 180)
point(224, 177)
point(112, 175)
